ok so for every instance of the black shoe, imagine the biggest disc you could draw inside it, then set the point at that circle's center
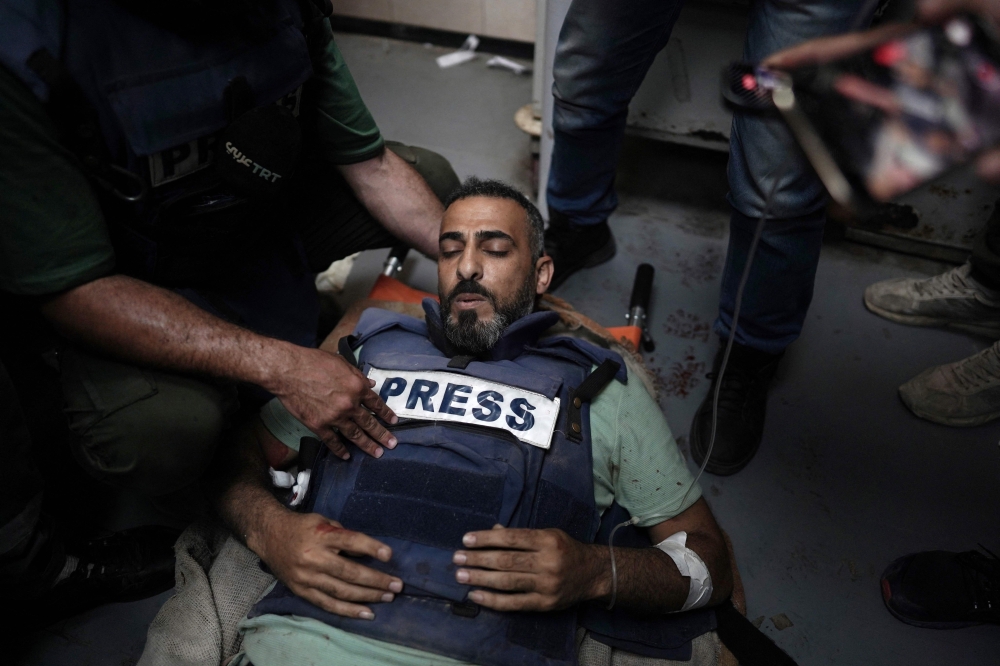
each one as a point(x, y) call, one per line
point(742, 405)
point(941, 590)
point(125, 566)
point(573, 247)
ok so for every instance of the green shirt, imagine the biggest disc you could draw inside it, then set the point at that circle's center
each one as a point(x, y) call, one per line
point(636, 462)
point(54, 236)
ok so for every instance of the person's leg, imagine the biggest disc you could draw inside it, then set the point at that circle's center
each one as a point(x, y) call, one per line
point(433, 167)
point(780, 284)
point(768, 178)
point(965, 298)
point(148, 431)
point(943, 590)
point(47, 575)
point(32, 555)
point(985, 259)
point(603, 54)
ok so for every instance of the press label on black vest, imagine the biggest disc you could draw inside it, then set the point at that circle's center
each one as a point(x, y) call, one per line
point(446, 396)
point(187, 158)
point(179, 161)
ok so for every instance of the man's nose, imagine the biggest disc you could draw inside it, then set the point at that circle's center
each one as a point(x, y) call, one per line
point(469, 266)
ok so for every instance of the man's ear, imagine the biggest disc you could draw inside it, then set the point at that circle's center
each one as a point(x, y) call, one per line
point(544, 269)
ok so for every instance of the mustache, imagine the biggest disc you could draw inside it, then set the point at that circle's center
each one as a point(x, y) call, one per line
point(471, 287)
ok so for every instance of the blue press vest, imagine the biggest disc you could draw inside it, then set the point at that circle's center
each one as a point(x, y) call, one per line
point(445, 479)
point(159, 100)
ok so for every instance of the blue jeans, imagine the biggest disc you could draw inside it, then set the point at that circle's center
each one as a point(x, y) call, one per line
point(605, 49)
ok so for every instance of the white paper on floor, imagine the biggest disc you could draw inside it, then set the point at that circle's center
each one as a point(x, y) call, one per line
point(504, 63)
point(465, 53)
point(334, 278)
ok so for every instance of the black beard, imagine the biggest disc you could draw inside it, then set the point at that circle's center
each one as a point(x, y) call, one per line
point(472, 337)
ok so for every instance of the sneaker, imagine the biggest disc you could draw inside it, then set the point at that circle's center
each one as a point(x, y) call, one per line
point(965, 393)
point(742, 407)
point(942, 590)
point(125, 566)
point(573, 247)
point(954, 299)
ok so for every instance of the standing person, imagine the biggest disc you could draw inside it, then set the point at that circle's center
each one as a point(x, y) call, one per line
point(941, 589)
point(604, 51)
point(172, 175)
point(47, 575)
point(966, 298)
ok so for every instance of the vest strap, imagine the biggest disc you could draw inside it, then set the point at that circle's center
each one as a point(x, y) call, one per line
point(460, 362)
point(346, 349)
point(588, 389)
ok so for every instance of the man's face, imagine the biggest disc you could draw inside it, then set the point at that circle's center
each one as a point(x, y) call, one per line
point(487, 275)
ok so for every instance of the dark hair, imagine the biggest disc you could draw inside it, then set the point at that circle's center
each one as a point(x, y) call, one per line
point(497, 189)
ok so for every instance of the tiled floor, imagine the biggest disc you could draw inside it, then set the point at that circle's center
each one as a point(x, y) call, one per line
point(846, 479)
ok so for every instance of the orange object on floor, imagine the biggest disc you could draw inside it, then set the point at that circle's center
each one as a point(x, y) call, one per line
point(630, 334)
point(391, 289)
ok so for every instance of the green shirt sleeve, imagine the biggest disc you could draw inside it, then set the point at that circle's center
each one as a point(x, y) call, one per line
point(636, 460)
point(346, 133)
point(53, 236)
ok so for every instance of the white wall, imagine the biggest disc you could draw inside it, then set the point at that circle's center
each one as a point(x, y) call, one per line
point(508, 19)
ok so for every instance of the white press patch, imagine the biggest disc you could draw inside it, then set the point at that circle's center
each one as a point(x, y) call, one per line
point(447, 396)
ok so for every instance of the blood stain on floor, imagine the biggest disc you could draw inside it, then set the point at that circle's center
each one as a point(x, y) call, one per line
point(687, 325)
point(683, 375)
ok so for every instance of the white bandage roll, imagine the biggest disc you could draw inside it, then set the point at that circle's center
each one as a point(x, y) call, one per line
point(690, 565)
point(281, 479)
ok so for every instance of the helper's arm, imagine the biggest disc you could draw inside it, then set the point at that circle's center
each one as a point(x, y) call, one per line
point(303, 550)
point(139, 322)
point(541, 570)
point(399, 198)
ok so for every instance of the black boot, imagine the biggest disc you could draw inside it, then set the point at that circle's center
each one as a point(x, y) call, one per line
point(573, 247)
point(942, 590)
point(124, 566)
point(742, 404)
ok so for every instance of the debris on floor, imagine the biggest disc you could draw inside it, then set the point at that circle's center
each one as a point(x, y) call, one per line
point(781, 621)
point(504, 63)
point(333, 278)
point(465, 53)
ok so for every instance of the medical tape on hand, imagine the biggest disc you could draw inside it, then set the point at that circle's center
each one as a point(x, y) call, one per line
point(298, 483)
point(690, 565)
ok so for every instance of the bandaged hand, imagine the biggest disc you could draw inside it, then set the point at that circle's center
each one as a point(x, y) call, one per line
point(530, 570)
point(310, 554)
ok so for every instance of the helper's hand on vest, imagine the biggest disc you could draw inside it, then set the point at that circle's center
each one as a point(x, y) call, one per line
point(531, 570)
point(327, 394)
point(307, 553)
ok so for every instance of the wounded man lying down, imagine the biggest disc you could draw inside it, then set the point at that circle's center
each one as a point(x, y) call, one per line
point(475, 531)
